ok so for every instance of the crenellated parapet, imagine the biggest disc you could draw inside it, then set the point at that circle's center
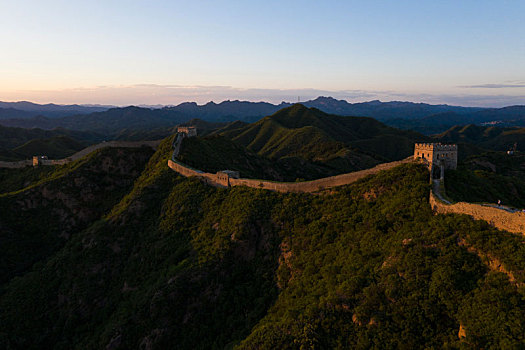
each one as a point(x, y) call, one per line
point(437, 154)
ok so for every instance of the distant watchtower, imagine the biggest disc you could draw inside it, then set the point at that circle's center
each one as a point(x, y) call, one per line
point(39, 160)
point(437, 154)
point(188, 130)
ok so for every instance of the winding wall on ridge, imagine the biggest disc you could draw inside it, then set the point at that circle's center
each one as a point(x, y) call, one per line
point(221, 180)
point(304, 186)
point(82, 153)
point(499, 218)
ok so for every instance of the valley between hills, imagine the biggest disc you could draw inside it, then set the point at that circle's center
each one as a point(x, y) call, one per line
point(115, 250)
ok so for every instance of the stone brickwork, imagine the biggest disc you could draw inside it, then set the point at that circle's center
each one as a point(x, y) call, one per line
point(499, 218)
point(446, 156)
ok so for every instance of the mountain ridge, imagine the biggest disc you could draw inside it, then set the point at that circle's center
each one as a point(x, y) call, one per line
point(396, 113)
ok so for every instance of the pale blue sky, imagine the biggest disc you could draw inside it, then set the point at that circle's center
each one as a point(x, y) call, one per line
point(461, 52)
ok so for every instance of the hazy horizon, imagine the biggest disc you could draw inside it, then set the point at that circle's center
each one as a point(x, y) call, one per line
point(466, 53)
point(155, 95)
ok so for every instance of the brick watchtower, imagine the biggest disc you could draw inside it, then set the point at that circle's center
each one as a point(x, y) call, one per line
point(188, 130)
point(437, 154)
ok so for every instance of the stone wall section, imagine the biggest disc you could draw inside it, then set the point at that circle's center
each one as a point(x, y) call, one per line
point(502, 219)
point(499, 218)
point(125, 144)
point(306, 186)
point(82, 153)
point(220, 180)
point(19, 164)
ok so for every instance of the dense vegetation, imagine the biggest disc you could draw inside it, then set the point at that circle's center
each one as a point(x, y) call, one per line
point(178, 264)
point(215, 152)
point(18, 143)
point(298, 143)
point(43, 207)
point(16, 179)
point(315, 135)
point(489, 177)
point(485, 137)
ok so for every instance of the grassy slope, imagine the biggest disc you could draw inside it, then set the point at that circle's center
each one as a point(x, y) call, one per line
point(351, 143)
point(178, 262)
point(214, 153)
point(487, 137)
point(55, 148)
point(19, 143)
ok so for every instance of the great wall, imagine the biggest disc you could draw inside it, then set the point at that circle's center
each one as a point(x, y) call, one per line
point(443, 156)
point(225, 179)
point(497, 217)
point(40, 160)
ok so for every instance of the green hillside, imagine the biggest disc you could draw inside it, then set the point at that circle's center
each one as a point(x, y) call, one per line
point(56, 147)
point(314, 135)
point(489, 177)
point(179, 264)
point(487, 137)
point(43, 207)
point(18, 143)
point(215, 152)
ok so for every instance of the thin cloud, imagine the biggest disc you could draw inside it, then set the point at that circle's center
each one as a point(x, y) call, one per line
point(493, 86)
point(155, 95)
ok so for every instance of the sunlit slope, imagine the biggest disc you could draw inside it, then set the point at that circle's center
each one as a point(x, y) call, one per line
point(312, 134)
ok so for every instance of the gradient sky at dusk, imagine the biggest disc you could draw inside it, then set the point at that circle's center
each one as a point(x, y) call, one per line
point(166, 52)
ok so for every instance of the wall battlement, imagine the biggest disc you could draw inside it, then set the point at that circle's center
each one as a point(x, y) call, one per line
point(436, 146)
point(437, 154)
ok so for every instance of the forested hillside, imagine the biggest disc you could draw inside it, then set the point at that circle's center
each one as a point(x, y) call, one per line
point(179, 264)
point(312, 134)
point(487, 137)
point(43, 207)
point(19, 143)
point(489, 177)
point(302, 143)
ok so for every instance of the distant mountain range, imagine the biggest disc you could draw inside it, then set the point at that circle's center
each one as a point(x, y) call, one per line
point(24, 109)
point(424, 118)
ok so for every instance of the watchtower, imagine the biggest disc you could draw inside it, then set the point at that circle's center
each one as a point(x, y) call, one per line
point(188, 130)
point(39, 160)
point(437, 154)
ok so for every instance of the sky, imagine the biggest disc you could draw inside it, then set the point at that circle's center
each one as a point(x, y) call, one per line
point(114, 52)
